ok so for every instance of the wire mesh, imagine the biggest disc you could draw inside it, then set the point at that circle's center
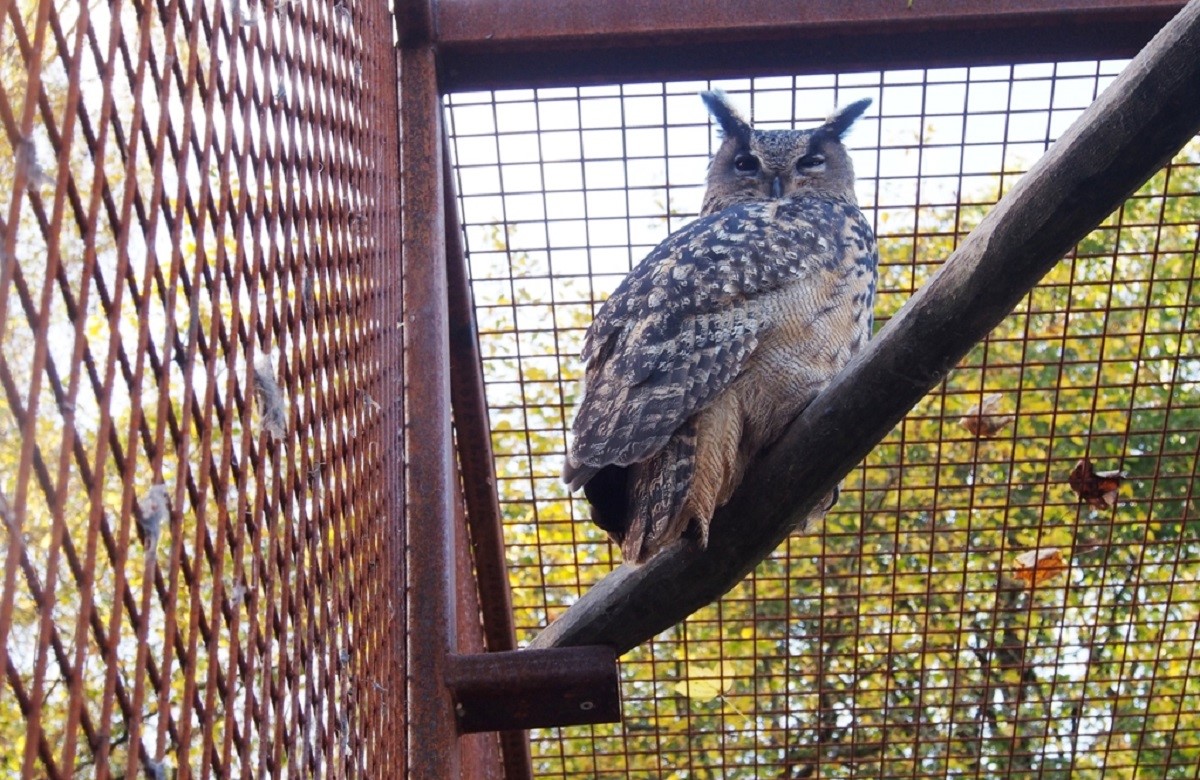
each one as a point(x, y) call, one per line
point(969, 607)
point(190, 448)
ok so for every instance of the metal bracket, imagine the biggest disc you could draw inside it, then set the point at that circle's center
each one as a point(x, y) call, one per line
point(524, 689)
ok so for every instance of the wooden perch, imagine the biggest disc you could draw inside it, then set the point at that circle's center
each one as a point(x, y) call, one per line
point(1128, 134)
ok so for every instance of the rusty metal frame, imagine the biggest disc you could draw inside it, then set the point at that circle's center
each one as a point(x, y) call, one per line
point(489, 44)
point(429, 460)
point(454, 688)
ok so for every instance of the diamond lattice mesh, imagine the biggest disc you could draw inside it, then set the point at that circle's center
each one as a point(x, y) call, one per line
point(190, 389)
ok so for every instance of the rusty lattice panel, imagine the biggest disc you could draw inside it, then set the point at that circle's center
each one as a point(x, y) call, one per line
point(965, 611)
point(191, 389)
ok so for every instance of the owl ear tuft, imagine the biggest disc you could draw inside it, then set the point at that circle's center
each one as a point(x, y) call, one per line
point(842, 119)
point(732, 124)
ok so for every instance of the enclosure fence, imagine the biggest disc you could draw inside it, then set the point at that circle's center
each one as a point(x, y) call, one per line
point(201, 531)
point(291, 299)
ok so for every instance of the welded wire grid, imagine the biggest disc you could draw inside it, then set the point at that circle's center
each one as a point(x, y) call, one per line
point(191, 389)
point(965, 611)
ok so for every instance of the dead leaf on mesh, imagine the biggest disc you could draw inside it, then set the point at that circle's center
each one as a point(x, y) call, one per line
point(984, 420)
point(1098, 488)
point(1033, 567)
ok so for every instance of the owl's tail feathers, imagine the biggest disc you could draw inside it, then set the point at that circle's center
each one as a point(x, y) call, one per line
point(641, 506)
point(658, 490)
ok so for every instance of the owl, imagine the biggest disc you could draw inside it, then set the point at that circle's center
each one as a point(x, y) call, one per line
point(713, 344)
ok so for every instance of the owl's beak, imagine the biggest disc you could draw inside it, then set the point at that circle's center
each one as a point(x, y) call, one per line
point(776, 188)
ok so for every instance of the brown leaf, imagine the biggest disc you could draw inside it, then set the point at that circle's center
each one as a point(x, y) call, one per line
point(1033, 567)
point(1098, 488)
point(984, 419)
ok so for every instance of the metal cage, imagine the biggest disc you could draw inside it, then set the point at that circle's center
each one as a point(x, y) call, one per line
point(292, 296)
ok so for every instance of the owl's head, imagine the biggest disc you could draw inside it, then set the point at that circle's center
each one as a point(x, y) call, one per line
point(756, 165)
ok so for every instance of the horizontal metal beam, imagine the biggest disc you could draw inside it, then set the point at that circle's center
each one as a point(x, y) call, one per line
point(488, 44)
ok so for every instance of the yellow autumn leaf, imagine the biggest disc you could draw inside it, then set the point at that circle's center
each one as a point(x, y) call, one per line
point(678, 726)
point(703, 683)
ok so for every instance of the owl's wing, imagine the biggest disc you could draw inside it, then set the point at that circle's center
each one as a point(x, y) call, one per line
point(679, 329)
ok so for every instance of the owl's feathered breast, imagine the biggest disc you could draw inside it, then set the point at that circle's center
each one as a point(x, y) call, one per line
point(680, 327)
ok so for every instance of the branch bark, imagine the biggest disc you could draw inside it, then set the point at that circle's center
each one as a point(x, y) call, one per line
point(1130, 132)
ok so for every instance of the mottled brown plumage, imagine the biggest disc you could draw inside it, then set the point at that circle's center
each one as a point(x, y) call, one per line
point(724, 333)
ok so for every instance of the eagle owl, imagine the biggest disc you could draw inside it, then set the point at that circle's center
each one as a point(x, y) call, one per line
point(724, 333)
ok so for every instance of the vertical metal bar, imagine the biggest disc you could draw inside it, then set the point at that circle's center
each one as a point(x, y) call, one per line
point(481, 757)
point(386, 731)
point(478, 465)
point(474, 436)
point(429, 455)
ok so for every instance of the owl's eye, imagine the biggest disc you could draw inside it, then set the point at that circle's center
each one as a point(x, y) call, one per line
point(746, 163)
point(810, 162)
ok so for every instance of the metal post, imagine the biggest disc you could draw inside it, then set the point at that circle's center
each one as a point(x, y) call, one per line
point(430, 485)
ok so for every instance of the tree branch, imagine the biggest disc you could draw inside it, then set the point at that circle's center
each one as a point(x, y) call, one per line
point(1128, 134)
